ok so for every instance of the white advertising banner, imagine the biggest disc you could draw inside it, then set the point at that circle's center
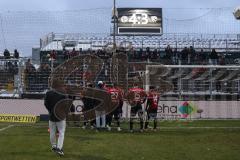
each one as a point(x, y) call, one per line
point(166, 109)
point(22, 107)
point(199, 109)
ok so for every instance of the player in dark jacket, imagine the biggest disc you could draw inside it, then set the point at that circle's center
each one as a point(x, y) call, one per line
point(51, 100)
point(89, 103)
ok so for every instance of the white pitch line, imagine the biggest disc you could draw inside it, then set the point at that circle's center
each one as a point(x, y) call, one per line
point(182, 127)
point(199, 127)
point(174, 127)
point(2, 129)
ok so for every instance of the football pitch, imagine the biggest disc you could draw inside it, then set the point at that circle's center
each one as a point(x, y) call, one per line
point(175, 140)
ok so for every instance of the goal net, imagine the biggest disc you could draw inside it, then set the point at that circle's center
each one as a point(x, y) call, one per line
point(196, 91)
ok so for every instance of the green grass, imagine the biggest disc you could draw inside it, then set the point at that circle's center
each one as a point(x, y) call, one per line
point(3, 126)
point(174, 141)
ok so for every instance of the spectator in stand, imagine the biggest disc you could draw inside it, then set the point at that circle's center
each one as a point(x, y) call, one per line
point(16, 54)
point(29, 66)
point(197, 58)
point(80, 51)
point(202, 57)
point(222, 60)
point(130, 53)
point(148, 53)
point(191, 55)
point(93, 52)
point(175, 57)
point(40, 69)
point(140, 53)
point(135, 56)
point(6, 54)
point(73, 53)
point(43, 73)
point(154, 54)
point(169, 53)
point(143, 55)
point(30, 75)
point(213, 57)
point(47, 68)
point(184, 55)
point(65, 53)
point(10, 67)
point(89, 50)
point(53, 55)
point(44, 68)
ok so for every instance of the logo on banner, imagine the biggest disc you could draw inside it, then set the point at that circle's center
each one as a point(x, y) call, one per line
point(18, 118)
point(78, 104)
point(187, 109)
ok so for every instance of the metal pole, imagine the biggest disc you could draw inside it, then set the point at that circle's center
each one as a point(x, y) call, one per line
point(180, 88)
point(20, 78)
point(114, 26)
point(211, 84)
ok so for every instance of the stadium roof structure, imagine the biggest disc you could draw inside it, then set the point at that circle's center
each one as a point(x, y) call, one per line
point(221, 42)
point(23, 29)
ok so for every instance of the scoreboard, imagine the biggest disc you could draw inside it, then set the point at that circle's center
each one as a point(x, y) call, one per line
point(139, 21)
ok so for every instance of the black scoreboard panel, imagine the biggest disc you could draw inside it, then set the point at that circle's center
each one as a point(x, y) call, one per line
point(139, 21)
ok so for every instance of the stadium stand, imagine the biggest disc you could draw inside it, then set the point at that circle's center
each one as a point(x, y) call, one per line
point(61, 45)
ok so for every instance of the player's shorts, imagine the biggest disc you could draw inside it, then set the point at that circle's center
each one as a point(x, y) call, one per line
point(118, 110)
point(152, 113)
point(137, 110)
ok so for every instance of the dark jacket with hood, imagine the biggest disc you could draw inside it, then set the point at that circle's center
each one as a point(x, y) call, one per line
point(51, 99)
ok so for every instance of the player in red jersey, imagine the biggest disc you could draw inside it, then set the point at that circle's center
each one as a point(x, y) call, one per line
point(136, 96)
point(152, 107)
point(116, 95)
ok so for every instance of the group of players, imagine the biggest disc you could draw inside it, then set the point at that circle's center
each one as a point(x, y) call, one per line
point(135, 97)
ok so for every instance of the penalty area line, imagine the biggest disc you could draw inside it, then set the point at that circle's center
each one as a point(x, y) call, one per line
point(5, 128)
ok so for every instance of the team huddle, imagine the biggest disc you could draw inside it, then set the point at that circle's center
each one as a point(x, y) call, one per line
point(143, 104)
